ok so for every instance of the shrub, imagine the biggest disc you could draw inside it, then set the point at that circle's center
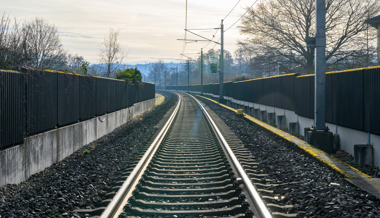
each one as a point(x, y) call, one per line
point(130, 75)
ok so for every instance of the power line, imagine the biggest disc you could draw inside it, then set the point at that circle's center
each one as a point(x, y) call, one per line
point(231, 10)
point(213, 36)
point(241, 17)
point(204, 29)
point(184, 43)
point(216, 44)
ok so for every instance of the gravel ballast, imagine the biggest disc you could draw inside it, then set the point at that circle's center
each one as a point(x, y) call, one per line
point(314, 189)
point(82, 180)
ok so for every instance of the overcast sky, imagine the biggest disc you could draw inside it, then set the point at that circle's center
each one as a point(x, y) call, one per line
point(149, 29)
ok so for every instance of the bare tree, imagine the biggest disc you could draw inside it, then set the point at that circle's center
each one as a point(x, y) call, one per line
point(35, 44)
point(42, 45)
point(12, 43)
point(111, 53)
point(279, 29)
point(75, 63)
point(157, 72)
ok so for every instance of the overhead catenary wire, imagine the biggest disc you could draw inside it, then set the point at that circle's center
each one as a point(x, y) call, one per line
point(217, 29)
point(213, 36)
point(185, 37)
point(241, 16)
point(231, 10)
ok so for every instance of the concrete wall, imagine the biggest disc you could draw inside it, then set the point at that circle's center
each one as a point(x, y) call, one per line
point(37, 152)
point(348, 137)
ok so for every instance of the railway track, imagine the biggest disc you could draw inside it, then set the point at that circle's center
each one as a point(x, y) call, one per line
point(189, 170)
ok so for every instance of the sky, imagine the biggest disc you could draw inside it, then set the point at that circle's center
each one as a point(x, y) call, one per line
point(149, 29)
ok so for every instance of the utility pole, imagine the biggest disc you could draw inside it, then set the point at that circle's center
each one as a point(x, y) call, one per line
point(188, 75)
point(319, 136)
point(320, 65)
point(202, 71)
point(165, 79)
point(221, 73)
point(176, 70)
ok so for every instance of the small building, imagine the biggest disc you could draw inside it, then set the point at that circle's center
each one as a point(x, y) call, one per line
point(375, 22)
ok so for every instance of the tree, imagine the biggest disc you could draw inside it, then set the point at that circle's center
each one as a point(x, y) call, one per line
point(42, 45)
point(278, 30)
point(76, 64)
point(34, 44)
point(210, 59)
point(157, 72)
point(111, 53)
point(130, 75)
point(12, 43)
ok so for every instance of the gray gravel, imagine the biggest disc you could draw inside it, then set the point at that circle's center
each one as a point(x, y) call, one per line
point(82, 180)
point(314, 190)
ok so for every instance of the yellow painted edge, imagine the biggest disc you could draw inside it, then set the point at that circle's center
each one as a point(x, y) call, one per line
point(300, 76)
point(353, 70)
point(306, 75)
point(343, 71)
point(9, 71)
point(315, 152)
point(72, 73)
point(269, 77)
point(68, 73)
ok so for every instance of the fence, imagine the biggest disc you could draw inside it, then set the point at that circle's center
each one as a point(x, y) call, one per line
point(33, 101)
point(352, 96)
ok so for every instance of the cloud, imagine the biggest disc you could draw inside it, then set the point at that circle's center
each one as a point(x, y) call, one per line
point(75, 35)
point(148, 28)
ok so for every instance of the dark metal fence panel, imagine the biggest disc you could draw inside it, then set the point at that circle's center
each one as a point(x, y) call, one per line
point(125, 95)
point(372, 100)
point(215, 89)
point(132, 89)
point(112, 86)
point(349, 90)
point(331, 97)
point(260, 91)
point(87, 97)
point(239, 91)
point(112, 95)
point(304, 96)
point(11, 108)
point(275, 92)
point(228, 89)
point(151, 91)
point(139, 90)
point(68, 99)
point(287, 92)
point(255, 91)
point(102, 96)
point(41, 100)
point(119, 95)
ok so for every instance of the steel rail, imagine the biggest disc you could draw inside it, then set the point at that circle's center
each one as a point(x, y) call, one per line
point(115, 207)
point(260, 207)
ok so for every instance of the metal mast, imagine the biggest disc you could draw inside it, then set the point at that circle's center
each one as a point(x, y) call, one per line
point(221, 73)
point(320, 65)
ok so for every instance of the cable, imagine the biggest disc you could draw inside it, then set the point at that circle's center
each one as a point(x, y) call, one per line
point(241, 17)
point(231, 10)
point(217, 41)
point(184, 42)
point(213, 36)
